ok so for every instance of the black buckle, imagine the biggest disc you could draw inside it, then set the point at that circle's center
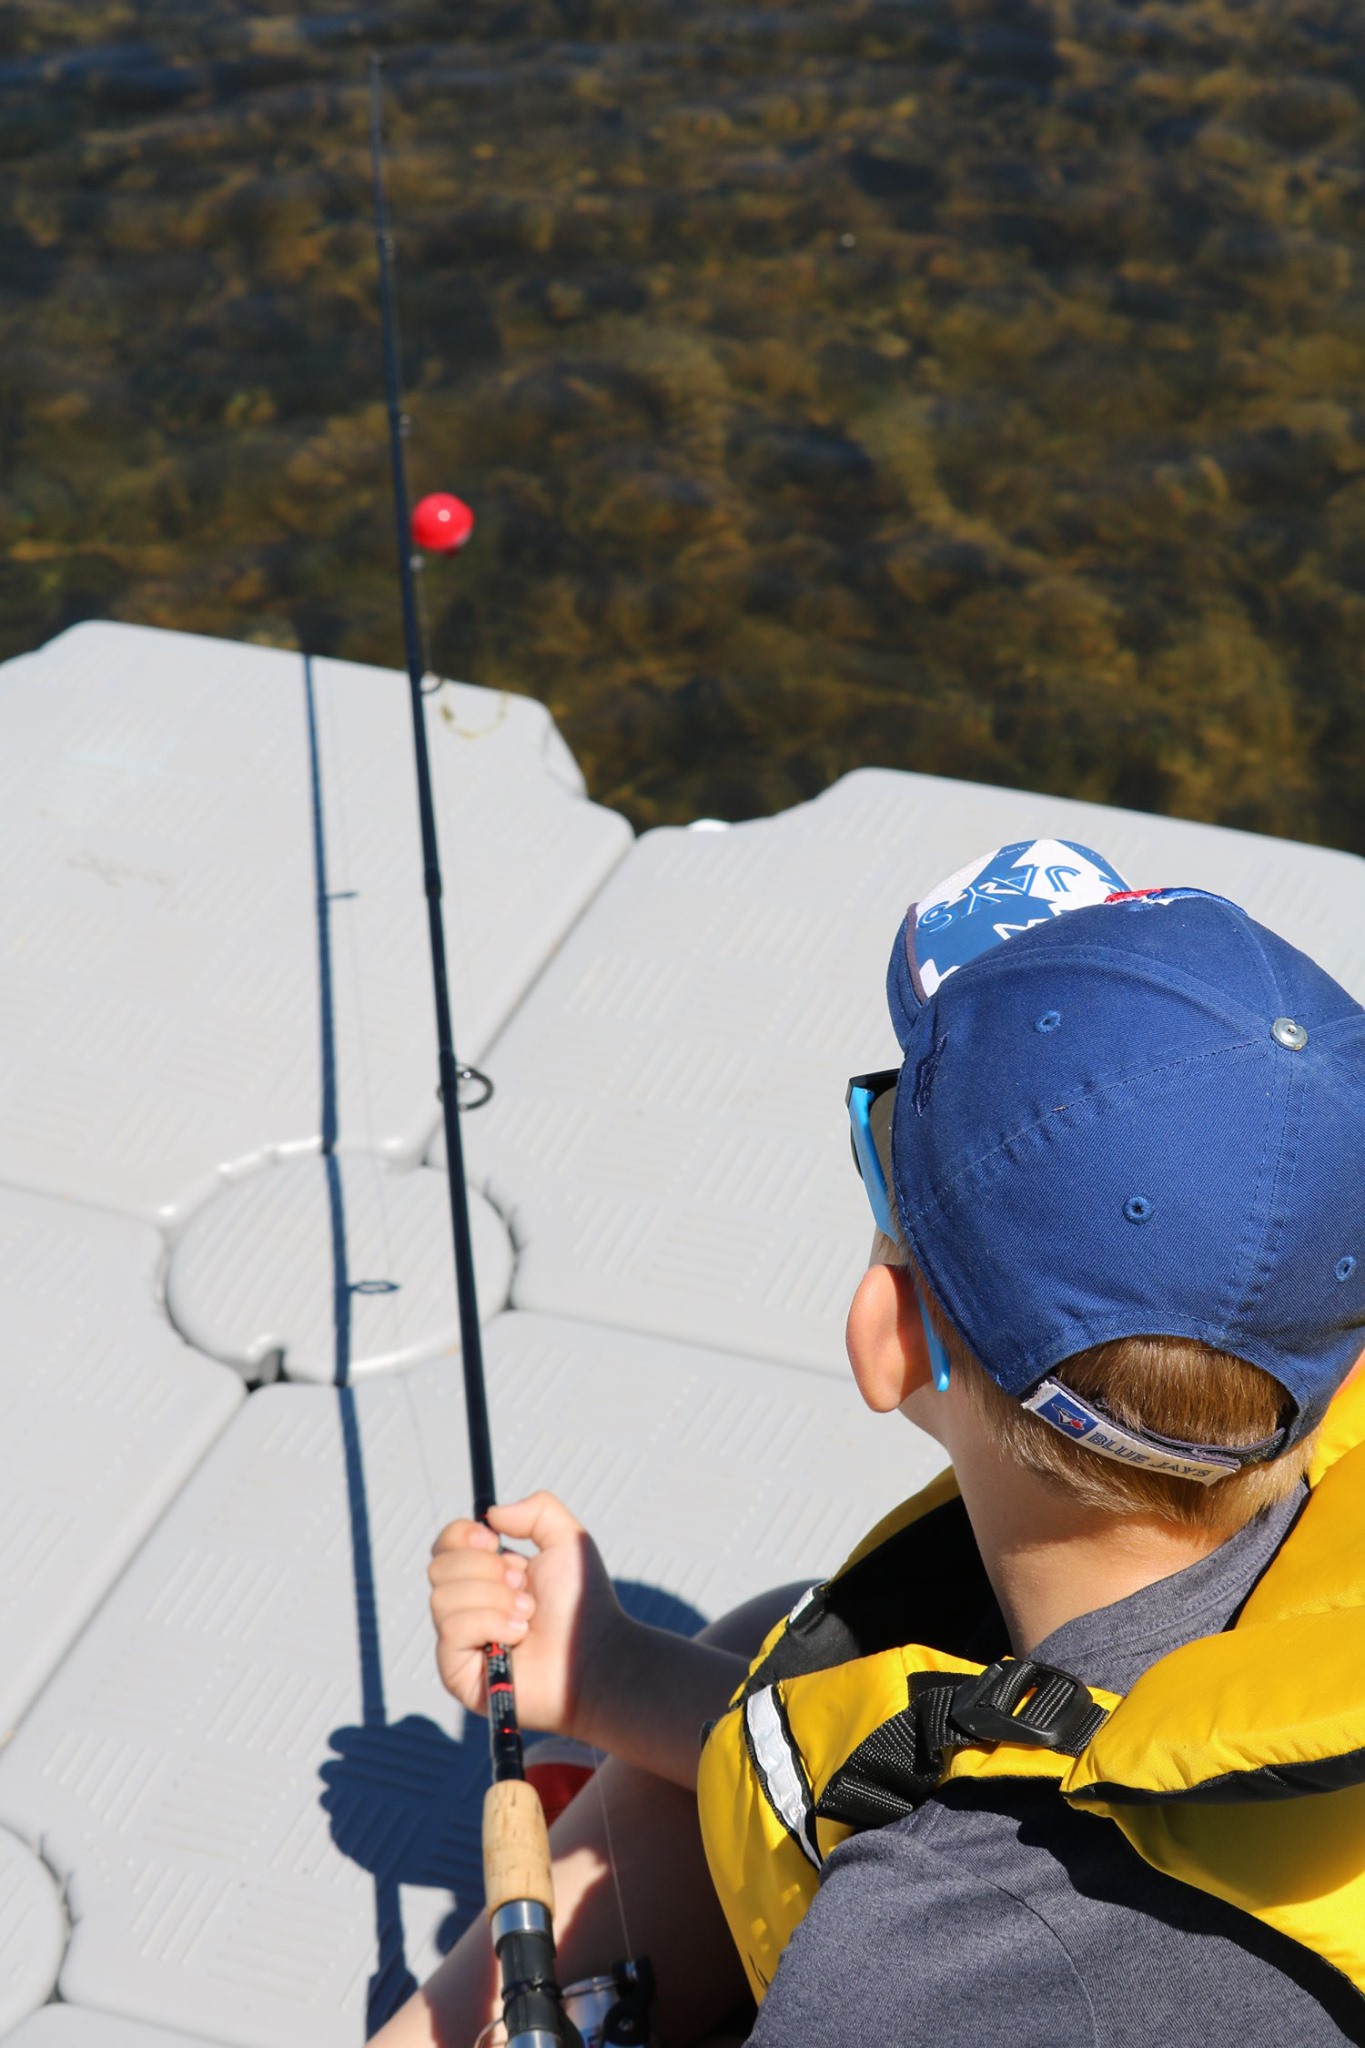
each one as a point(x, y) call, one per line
point(1016, 1700)
point(900, 1763)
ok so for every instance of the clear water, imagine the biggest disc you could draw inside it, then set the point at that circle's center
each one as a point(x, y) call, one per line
point(958, 385)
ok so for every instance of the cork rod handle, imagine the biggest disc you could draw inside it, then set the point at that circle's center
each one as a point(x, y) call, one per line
point(516, 1847)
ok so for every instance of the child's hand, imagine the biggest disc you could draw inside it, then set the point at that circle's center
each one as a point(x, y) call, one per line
point(556, 1610)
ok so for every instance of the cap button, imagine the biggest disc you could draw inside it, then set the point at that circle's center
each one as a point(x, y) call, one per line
point(1290, 1035)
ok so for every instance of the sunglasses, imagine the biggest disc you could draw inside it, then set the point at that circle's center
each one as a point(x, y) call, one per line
point(871, 1100)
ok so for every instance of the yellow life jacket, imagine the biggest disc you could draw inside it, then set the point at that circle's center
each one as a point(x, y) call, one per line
point(1206, 1766)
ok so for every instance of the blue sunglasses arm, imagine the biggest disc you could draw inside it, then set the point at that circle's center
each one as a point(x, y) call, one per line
point(940, 1364)
point(860, 1102)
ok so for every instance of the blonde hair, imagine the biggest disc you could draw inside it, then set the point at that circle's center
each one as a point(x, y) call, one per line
point(1176, 1386)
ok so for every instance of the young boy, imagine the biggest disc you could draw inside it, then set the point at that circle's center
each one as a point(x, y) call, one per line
point(1074, 1749)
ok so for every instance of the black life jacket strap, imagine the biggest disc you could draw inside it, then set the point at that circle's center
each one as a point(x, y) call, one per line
point(1013, 1700)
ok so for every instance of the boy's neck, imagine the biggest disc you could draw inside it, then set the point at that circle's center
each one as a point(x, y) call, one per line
point(1050, 1558)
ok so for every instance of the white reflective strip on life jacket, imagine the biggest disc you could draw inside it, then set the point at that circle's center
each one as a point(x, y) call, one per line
point(803, 1603)
point(780, 1769)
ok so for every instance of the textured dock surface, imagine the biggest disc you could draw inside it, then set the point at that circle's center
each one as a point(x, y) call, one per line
point(217, 848)
point(104, 1414)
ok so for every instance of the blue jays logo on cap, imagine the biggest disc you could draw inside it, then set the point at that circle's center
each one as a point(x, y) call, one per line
point(1064, 1415)
point(993, 899)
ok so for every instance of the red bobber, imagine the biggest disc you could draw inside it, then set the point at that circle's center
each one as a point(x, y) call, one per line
point(441, 524)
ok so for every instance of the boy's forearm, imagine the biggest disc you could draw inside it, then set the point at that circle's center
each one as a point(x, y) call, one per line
point(651, 1694)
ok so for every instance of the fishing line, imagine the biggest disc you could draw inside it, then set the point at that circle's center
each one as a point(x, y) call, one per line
point(628, 1946)
point(432, 684)
point(415, 563)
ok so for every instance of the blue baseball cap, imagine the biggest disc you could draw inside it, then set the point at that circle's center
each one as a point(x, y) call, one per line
point(1143, 1115)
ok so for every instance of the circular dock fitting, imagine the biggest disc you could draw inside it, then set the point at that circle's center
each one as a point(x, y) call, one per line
point(32, 1932)
point(331, 1269)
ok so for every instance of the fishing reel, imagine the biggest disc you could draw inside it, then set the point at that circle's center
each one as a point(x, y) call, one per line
point(612, 2011)
point(608, 2011)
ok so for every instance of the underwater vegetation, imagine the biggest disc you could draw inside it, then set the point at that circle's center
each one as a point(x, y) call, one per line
point(973, 386)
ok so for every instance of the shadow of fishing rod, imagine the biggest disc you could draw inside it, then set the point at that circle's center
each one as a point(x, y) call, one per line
point(392, 1980)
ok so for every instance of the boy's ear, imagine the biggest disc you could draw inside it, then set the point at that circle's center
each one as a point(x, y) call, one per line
point(885, 1338)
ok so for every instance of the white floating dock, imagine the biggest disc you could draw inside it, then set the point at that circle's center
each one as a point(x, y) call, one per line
point(212, 928)
point(104, 1415)
point(669, 1140)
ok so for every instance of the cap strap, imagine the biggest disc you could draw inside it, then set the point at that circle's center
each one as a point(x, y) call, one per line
point(1085, 1422)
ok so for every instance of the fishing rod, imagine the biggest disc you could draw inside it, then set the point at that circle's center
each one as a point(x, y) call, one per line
point(516, 1848)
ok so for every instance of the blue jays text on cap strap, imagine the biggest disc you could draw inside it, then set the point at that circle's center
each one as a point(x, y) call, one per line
point(1086, 1422)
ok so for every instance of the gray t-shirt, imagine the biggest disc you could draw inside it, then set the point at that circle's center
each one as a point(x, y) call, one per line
point(996, 1916)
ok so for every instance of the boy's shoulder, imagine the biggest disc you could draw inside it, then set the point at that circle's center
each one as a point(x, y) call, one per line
point(996, 1911)
point(997, 1905)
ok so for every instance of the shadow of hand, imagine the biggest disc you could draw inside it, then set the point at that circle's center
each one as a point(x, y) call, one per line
point(404, 1803)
